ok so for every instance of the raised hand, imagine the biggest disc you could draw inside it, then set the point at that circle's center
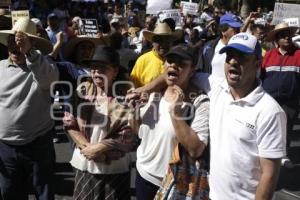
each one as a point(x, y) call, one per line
point(23, 42)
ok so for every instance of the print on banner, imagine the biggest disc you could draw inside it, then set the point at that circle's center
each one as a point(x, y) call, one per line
point(189, 8)
point(17, 14)
point(285, 10)
point(173, 13)
point(90, 27)
point(292, 21)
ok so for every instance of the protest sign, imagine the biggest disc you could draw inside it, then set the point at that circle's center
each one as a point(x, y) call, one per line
point(292, 21)
point(285, 10)
point(5, 3)
point(155, 6)
point(17, 14)
point(189, 8)
point(90, 27)
point(173, 13)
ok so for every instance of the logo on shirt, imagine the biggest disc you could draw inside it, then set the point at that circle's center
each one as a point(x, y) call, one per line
point(250, 126)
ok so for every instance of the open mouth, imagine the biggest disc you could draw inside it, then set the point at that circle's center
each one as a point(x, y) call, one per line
point(234, 74)
point(173, 75)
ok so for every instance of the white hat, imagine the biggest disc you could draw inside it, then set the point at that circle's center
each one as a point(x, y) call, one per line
point(244, 42)
point(27, 26)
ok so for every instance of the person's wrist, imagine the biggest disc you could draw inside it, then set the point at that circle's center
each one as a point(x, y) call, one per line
point(30, 52)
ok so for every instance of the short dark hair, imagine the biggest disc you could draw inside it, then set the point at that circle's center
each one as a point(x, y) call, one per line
point(257, 26)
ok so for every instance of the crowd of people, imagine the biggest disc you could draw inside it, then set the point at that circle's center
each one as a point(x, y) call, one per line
point(207, 105)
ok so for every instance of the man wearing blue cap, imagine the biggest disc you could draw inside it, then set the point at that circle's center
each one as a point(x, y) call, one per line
point(247, 126)
point(210, 60)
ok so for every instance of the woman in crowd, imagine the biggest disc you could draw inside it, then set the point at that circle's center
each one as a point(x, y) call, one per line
point(101, 133)
point(179, 114)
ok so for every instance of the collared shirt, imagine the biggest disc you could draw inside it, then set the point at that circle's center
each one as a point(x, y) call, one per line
point(241, 131)
point(281, 74)
point(25, 99)
point(147, 68)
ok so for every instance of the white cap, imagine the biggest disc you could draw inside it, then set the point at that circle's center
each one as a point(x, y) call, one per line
point(244, 42)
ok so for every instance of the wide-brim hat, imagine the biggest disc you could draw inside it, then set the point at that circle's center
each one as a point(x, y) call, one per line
point(103, 56)
point(271, 36)
point(74, 41)
point(162, 30)
point(27, 26)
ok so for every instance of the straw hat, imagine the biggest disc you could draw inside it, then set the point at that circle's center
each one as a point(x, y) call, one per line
point(27, 26)
point(162, 30)
point(278, 28)
point(74, 41)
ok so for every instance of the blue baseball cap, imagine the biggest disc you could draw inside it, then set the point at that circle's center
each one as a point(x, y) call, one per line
point(232, 20)
point(244, 42)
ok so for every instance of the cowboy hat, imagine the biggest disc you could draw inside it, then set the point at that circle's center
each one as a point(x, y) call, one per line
point(162, 30)
point(74, 41)
point(27, 26)
point(271, 36)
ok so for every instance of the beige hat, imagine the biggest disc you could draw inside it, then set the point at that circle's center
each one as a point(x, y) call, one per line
point(27, 26)
point(162, 30)
point(271, 36)
point(71, 44)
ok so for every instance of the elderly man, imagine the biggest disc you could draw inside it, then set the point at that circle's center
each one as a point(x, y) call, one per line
point(280, 74)
point(247, 126)
point(26, 148)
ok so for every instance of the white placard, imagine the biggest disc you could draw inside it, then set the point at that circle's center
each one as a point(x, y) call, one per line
point(292, 21)
point(189, 8)
point(285, 10)
point(173, 13)
point(155, 6)
point(17, 14)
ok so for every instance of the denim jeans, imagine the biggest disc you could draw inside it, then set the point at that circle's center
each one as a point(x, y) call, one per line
point(22, 167)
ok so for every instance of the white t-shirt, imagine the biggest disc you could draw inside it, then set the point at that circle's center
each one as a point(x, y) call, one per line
point(159, 137)
point(218, 61)
point(241, 131)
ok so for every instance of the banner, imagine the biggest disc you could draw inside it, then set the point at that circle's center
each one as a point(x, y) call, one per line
point(189, 8)
point(155, 6)
point(285, 10)
point(90, 27)
point(5, 3)
point(173, 13)
point(292, 21)
point(17, 14)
